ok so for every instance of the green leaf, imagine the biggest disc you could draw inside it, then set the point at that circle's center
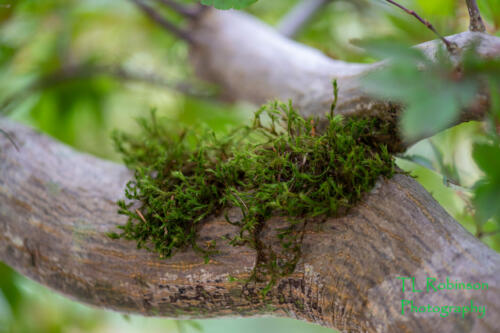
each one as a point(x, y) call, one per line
point(490, 9)
point(228, 4)
point(487, 201)
point(431, 96)
point(487, 190)
point(428, 114)
point(420, 160)
point(487, 158)
point(387, 49)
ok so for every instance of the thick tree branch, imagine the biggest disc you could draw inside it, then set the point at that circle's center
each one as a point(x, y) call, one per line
point(252, 61)
point(476, 22)
point(56, 206)
point(299, 16)
point(264, 66)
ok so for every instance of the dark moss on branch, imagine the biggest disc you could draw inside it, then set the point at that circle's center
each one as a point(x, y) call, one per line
point(280, 165)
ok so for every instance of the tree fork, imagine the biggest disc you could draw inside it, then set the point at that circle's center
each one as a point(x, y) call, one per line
point(476, 22)
point(252, 61)
point(56, 206)
point(285, 69)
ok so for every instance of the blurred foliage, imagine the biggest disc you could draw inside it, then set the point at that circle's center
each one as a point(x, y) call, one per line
point(434, 93)
point(487, 194)
point(432, 97)
point(40, 39)
point(490, 9)
point(24, 309)
point(227, 4)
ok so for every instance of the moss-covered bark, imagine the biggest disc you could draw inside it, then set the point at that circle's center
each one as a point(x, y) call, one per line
point(281, 164)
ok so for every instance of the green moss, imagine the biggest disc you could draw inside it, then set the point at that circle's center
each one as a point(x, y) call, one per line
point(280, 165)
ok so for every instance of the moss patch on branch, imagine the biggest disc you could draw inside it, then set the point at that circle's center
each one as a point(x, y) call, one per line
point(280, 165)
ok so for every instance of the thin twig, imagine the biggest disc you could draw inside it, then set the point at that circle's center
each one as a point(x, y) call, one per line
point(482, 234)
point(140, 215)
point(85, 71)
point(335, 98)
point(163, 22)
point(299, 16)
point(449, 46)
point(9, 137)
point(186, 11)
point(476, 22)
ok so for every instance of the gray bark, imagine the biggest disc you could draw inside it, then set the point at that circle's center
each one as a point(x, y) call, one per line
point(56, 206)
point(253, 62)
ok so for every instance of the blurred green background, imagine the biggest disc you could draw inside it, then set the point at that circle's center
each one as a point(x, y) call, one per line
point(79, 69)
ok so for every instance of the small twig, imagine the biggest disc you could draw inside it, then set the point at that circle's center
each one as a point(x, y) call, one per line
point(163, 22)
point(180, 9)
point(240, 200)
point(476, 22)
point(140, 215)
point(482, 234)
point(299, 16)
point(449, 46)
point(84, 71)
point(9, 137)
point(335, 97)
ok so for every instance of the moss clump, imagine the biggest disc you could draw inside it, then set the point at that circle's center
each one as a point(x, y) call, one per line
point(280, 165)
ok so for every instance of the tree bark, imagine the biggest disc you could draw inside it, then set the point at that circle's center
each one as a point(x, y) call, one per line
point(56, 206)
point(476, 22)
point(251, 61)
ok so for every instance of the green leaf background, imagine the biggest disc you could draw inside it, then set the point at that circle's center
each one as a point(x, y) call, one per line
point(228, 4)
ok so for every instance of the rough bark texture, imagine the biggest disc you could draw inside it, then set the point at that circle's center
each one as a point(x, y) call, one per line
point(56, 206)
point(476, 22)
point(253, 62)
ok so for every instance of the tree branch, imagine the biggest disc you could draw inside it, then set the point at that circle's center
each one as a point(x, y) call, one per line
point(85, 71)
point(162, 21)
point(299, 16)
point(285, 69)
point(186, 11)
point(56, 206)
point(449, 46)
point(476, 22)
